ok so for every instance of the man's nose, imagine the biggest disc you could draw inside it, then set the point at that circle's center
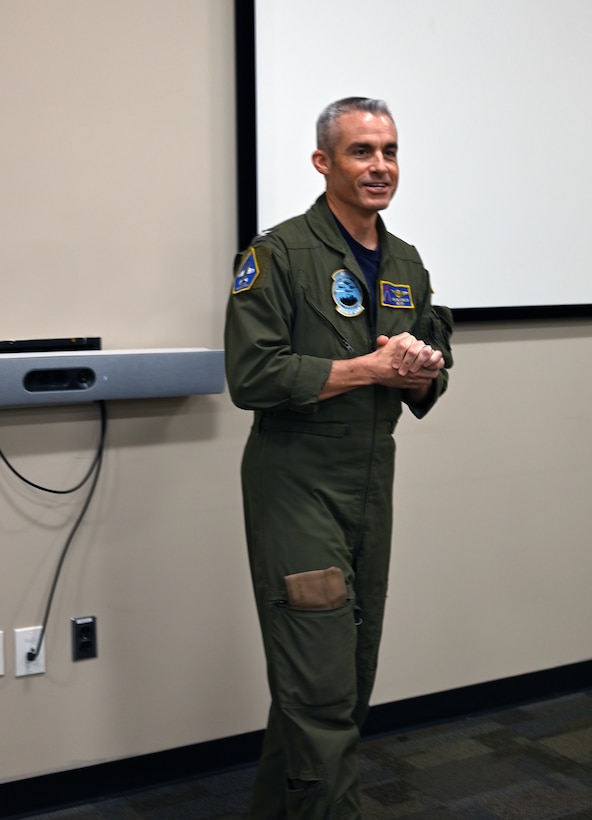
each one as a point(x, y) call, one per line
point(378, 163)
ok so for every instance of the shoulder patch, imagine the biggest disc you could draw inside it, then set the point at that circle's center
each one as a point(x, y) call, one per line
point(252, 270)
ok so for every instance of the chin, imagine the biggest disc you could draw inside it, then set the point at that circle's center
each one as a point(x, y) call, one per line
point(378, 204)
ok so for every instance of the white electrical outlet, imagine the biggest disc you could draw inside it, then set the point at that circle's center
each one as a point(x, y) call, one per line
point(25, 640)
point(2, 653)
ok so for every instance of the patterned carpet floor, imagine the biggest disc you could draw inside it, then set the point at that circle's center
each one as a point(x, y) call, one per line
point(532, 762)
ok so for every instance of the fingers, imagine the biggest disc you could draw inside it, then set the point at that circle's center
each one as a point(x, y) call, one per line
point(410, 355)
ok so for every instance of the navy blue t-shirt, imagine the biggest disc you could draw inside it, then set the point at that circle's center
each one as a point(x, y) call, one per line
point(369, 262)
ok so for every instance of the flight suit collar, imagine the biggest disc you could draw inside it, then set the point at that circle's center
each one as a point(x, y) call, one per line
point(322, 223)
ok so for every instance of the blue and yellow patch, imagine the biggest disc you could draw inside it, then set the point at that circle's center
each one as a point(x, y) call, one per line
point(347, 293)
point(247, 273)
point(395, 296)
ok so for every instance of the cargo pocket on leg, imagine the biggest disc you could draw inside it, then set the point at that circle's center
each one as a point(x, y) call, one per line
point(313, 656)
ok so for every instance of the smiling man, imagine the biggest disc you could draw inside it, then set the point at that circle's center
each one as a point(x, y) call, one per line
point(358, 156)
point(330, 330)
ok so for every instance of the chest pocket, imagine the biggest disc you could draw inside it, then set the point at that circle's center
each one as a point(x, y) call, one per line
point(393, 320)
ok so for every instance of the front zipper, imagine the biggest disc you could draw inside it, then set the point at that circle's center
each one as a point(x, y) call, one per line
point(344, 342)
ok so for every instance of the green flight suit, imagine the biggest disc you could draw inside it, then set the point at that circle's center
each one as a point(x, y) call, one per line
point(317, 483)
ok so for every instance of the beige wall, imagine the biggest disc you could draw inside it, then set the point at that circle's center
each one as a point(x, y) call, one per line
point(117, 207)
point(492, 561)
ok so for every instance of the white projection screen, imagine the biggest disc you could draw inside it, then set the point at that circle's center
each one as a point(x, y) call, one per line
point(493, 104)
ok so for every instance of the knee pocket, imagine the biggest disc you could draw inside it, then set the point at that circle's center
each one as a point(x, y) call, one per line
point(313, 656)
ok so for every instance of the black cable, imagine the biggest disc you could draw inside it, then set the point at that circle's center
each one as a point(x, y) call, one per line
point(80, 484)
point(96, 468)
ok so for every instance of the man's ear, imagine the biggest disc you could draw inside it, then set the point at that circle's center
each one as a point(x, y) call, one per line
point(321, 162)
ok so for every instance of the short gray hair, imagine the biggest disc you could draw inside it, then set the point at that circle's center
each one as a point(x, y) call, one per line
point(326, 135)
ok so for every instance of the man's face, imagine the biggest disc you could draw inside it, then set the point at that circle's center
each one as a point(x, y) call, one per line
point(362, 171)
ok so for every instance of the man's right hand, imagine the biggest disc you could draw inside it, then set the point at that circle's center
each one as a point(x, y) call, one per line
point(401, 361)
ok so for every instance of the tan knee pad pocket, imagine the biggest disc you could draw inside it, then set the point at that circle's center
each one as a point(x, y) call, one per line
point(316, 589)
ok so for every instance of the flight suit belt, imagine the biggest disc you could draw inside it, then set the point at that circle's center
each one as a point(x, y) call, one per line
point(336, 429)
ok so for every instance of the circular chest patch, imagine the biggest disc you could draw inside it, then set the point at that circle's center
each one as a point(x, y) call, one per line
point(347, 293)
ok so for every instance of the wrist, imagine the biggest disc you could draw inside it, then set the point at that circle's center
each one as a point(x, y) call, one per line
point(420, 395)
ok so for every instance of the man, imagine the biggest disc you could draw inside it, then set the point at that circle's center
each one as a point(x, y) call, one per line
point(329, 329)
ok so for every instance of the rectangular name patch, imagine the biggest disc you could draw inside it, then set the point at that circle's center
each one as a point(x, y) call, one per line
point(395, 296)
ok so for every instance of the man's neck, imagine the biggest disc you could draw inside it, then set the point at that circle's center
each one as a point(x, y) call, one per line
point(360, 225)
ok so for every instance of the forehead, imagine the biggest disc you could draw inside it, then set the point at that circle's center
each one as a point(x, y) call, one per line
point(364, 127)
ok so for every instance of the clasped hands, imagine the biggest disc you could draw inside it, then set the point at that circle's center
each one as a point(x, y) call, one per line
point(407, 362)
point(402, 362)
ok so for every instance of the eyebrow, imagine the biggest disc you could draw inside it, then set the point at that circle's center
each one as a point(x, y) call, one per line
point(369, 147)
